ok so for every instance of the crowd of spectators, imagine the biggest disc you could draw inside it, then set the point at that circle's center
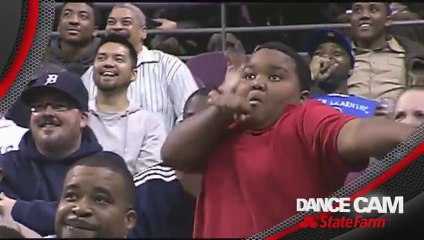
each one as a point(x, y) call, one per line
point(116, 136)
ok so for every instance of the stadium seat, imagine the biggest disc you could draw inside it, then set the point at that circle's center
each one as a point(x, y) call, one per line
point(208, 69)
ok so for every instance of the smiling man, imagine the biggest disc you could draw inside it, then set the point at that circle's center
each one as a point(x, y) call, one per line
point(32, 177)
point(97, 200)
point(261, 146)
point(76, 45)
point(384, 64)
point(120, 124)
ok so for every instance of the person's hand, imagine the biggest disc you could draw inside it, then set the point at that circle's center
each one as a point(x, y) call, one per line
point(166, 23)
point(6, 204)
point(321, 68)
point(236, 60)
point(385, 108)
point(6, 220)
point(231, 96)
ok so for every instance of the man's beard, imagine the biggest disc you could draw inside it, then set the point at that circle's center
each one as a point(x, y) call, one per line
point(336, 79)
point(110, 88)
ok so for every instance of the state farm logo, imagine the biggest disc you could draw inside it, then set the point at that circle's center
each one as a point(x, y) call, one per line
point(343, 222)
point(309, 222)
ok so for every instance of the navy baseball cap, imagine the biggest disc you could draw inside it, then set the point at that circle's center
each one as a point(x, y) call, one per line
point(64, 82)
point(317, 37)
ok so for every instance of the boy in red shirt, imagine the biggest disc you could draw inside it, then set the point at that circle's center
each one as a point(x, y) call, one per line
point(281, 148)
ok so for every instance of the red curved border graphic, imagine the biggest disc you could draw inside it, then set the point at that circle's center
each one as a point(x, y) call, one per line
point(412, 156)
point(23, 50)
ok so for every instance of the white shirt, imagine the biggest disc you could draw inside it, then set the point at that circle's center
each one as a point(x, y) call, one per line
point(10, 135)
point(163, 84)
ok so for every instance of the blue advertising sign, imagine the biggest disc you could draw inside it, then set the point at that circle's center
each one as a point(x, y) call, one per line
point(350, 104)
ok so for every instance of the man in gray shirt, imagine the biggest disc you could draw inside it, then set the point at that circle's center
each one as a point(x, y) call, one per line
point(120, 124)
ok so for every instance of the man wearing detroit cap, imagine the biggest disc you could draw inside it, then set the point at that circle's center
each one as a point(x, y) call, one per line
point(332, 64)
point(32, 177)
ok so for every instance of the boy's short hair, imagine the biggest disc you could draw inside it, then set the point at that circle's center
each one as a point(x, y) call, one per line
point(302, 69)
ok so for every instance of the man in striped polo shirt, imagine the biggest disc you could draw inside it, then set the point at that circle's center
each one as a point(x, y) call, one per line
point(163, 81)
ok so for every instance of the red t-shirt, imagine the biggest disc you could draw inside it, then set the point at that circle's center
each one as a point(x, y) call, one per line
point(253, 179)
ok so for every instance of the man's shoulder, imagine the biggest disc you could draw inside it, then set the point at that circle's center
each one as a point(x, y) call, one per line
point(10, 158)
point(311, 111)
point(157, 173)
point(162, 55)
point(144, 117)
point(9, 127)
point(165, 59)
point(406, 42)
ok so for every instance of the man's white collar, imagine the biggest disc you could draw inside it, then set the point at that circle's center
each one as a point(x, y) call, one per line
point(147, 56)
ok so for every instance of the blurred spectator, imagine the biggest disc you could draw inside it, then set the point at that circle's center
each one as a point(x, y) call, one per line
point(163, 82)
point(164, 209)
point(194, 16)
point(339, 12)
point(10, 233)
point(11, 135)
point(383, 63)
point(410, 107)
point(385, 108)
point(197, 102)
point(182, 17)
point(215, 42)
point(403, 12)
point(32, 177)
point(14, 230)
point(331, 66)
point(120, 124)
point(171, 44)
point(76, 45)
point(282, 14)
point(278, 124)
point(102, 177)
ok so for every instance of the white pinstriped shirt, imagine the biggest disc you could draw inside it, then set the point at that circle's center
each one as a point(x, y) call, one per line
point(162, 85)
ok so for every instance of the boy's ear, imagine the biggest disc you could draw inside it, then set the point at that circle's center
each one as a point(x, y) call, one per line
point(304, 96)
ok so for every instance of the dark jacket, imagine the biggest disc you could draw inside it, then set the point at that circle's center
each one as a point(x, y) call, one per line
point(54, 55)
point(36, 182)
point(164, 209)
point(414, 59)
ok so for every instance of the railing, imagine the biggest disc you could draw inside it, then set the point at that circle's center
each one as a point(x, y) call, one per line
point(224, 29)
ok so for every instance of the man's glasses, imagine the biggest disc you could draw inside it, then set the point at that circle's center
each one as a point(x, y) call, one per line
point(56, 107)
